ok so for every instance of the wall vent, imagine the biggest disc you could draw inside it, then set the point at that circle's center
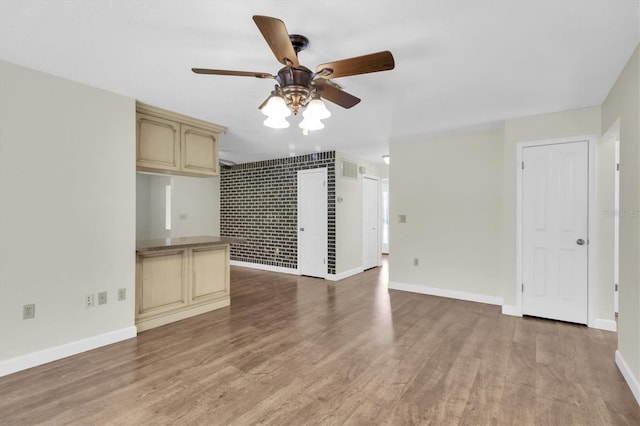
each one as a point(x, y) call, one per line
point(348, 169)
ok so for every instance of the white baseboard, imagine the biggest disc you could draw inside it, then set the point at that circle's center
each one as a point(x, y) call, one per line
point(343, 275)
point(631, 380)
point(44, 356)
point(511, 310)
point(452, 294)
point(265, 267)
point(603, 324)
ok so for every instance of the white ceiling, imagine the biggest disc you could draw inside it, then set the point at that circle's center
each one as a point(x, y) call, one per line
point(459, 64)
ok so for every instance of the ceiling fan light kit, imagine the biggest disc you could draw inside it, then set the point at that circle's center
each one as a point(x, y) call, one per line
point(297, 86)
point(311, 124)
point(276, 107)
point(276, 122)
point(316, 110)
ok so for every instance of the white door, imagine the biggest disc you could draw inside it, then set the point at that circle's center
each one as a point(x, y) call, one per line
point(370, 232)
point(312, 222)
point(554, 234)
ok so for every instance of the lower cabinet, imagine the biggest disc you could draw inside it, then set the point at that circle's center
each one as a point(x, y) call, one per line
point(175, 284)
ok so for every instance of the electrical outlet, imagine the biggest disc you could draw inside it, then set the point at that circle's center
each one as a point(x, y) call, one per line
point(89, 300)
point(416, 262)
point(29, 311)
point(402, 218)
point(102, 298)
point(122, 294)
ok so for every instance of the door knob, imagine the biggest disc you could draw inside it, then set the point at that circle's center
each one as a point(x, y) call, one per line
point(580, 241)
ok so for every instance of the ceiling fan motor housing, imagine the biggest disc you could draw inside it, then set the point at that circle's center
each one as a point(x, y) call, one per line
point(296, 87)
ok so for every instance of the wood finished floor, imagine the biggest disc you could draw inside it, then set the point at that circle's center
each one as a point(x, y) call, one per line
point(296, 350)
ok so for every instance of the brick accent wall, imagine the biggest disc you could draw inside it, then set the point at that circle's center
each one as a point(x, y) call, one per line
point(259, 202)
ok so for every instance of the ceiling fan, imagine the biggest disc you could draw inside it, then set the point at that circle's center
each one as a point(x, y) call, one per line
point(297, 86)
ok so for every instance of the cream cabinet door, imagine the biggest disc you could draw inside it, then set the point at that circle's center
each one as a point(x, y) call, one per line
point(162, 282)
point(209, 273)
point(199, 153)
point(157, 143)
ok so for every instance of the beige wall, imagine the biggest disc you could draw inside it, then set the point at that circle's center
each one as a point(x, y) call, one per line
point(67, 185)
point(150, 206)
point(459, 195)
point(623, 103)
point(197, 198)
point(450, 189)
point(349, 213)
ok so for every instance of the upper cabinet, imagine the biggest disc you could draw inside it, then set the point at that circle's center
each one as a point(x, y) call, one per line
point(158, 143)
point(167, 142)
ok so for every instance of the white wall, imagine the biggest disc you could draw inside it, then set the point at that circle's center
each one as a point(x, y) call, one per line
point(450, 189)
point(67, 224)
point(623, 104)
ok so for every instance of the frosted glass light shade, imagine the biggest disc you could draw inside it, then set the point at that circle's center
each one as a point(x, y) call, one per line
point(316, 110)
point(311, 124)
point(276, 107)
point(276, 122)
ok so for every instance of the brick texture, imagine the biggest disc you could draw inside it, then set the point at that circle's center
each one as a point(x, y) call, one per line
point(259, 202)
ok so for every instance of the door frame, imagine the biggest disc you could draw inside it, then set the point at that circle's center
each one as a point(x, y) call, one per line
point(616, 229)
point(325, 225)
point(591, 215)
point(376, 179)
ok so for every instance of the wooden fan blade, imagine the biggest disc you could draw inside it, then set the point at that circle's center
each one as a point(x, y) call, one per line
point(374, 62)
point(277, 37)
point(228, 72)
point(337, 96)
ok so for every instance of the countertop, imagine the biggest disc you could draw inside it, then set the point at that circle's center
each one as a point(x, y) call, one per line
point(181, 242)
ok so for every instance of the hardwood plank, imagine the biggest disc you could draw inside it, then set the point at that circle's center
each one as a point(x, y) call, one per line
point(297, 350)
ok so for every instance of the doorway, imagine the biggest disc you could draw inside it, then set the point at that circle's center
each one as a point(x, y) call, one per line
point(312, 222)
point(370, 231)
point(555, 230)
